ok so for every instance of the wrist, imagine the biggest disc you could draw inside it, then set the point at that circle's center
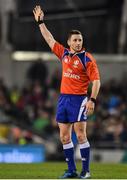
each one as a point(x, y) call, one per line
point(93, 100)
point(39, 22)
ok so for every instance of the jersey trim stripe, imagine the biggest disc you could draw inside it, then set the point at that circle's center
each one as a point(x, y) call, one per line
point(66, 53)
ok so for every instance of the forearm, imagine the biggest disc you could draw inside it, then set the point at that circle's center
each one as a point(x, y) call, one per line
point(47, 35)
point(95, 88)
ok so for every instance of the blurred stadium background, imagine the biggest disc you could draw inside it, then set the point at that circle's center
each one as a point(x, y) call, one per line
point(30, 77)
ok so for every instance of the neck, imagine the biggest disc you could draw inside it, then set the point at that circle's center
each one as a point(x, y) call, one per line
point(72, 51)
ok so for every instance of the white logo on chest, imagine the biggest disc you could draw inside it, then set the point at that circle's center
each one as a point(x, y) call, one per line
point(66, 60)
point(75, 64)
point(69, 70)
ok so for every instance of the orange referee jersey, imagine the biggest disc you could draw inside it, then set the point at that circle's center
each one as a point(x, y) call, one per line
point(78, 70)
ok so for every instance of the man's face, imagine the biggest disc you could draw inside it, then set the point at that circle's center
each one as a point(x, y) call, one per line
point(75, 43)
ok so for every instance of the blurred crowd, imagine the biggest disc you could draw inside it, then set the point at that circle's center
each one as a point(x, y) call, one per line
point(108, 126)
point(29, 112)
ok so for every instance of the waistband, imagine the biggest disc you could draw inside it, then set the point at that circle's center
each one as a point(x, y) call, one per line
point(73, 95)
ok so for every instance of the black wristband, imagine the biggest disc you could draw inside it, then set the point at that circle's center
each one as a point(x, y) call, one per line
point(40, 22)
point(93, 100)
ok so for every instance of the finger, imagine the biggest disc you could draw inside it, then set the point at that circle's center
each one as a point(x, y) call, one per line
point(91, 109)
point(35, 9)
point(38, 8)
point(34, 12)
point(89, 112)
point(86, 111)
point(40, 13)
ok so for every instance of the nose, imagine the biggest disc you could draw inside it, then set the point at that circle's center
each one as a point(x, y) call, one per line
point(79, 42)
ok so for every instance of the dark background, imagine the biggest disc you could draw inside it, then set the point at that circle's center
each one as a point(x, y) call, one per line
point(98, 20)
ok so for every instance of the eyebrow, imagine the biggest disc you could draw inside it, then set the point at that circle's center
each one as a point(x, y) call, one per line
point(77, 39)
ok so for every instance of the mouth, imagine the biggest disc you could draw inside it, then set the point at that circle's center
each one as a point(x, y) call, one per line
point(78, 47)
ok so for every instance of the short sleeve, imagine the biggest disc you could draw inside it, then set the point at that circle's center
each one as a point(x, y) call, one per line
point(58, 50)
point(92, 69)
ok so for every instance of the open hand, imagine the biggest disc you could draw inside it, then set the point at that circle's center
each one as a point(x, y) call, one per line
point(89, 108)
point(38, 13)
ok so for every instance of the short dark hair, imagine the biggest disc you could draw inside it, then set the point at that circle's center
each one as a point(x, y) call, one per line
point(73, 32)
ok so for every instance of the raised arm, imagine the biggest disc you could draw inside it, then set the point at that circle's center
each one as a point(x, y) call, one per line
point(39, 17)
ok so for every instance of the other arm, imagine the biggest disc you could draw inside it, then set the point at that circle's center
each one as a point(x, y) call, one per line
point(95, 88)
point(94, 76)
point(90, 105)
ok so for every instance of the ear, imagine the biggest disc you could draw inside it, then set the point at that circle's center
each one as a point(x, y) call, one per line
point(68, 42)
